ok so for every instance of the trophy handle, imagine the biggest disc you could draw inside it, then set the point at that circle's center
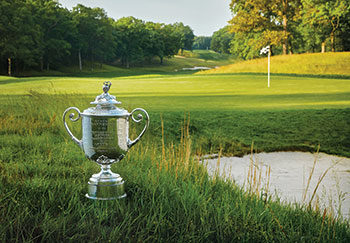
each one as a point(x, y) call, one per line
point(71, 117)
point(137, 120)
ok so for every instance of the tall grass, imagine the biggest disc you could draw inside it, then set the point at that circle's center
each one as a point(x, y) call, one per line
point(43, 179)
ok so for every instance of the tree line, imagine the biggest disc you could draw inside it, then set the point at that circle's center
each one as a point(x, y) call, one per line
point(288, 26)
point(41, 34)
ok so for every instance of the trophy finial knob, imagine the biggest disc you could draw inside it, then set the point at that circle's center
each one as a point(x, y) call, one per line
point(105, 99)
point(106, 86)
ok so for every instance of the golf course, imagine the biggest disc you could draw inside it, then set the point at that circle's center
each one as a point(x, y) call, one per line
point(174, 121)
point(225, 110)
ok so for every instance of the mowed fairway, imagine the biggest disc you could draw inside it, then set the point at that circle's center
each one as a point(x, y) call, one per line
point(227, 111)
point(197, 92)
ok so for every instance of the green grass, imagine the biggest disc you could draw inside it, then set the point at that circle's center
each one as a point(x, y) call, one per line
point(228, 111)
point(186, 85)
point(170, 196)
point(210, 56)
point(313, 64)
point(43, 174)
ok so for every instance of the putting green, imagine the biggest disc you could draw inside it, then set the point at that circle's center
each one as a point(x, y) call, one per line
point(196, 92)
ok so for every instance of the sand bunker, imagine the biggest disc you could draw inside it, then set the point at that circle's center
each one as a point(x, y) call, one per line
point(289, 176)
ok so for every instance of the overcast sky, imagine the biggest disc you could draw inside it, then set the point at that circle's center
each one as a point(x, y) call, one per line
point(203, 16)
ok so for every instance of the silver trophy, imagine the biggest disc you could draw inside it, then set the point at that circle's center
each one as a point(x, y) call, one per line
point(105, 139)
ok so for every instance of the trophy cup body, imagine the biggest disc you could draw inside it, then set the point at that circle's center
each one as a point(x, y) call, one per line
point(105, 140)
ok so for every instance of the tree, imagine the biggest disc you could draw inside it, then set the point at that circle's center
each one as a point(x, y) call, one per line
point(56, 26)
point(162, 41)
point(173, 42)
point(287, 12)
point(202, 42)
point(96, 37)
point(270, 18)
point(321, 19)
point(186, 34)
point(19, 35)
point(154, 44)
point(138, 40)
point(221, 40)
point(247, 46)
point(35, 33)
point(189, 38)
point(344, 32)
point(131, 35)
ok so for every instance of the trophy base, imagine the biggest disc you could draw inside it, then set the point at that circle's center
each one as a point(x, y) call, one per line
point(103, 198)
point(106, 185)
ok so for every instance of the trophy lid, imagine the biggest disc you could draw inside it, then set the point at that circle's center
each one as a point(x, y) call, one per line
point(105, 104)
point(105, 99)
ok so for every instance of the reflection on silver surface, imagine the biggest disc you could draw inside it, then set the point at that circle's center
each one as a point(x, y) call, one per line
point(105, 136)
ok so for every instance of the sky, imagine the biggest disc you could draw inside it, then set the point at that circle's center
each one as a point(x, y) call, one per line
point(203, 16)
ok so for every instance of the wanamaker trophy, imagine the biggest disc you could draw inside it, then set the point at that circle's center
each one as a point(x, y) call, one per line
point(105, 140)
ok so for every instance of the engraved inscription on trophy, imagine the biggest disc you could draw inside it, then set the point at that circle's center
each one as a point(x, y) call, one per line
point(102, 134)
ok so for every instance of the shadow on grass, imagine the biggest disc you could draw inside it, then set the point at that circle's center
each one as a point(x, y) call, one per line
point(113, 74)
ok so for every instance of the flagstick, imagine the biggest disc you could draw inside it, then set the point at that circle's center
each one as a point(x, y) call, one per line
point(265, 50)
point(268, 71)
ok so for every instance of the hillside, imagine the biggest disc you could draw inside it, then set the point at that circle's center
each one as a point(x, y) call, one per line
point(315, 63)
point(189, 59)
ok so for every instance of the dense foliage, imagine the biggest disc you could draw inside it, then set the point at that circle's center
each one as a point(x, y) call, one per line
point(221, 40)
point(201, 42)
point(288, 26)
point(41, 34)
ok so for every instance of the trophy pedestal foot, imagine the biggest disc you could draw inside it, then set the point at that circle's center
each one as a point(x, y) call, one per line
point(106, 185)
